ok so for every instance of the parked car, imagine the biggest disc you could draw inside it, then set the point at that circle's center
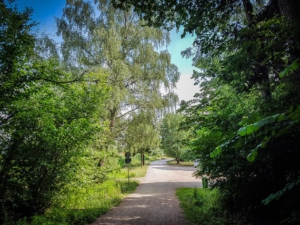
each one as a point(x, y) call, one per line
point(196, 162)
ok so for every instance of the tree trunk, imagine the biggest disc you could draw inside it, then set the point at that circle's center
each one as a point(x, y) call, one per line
point(290, 9)
point(262, 71)
point(143, 159)
point(265, 83)
point(248, 7)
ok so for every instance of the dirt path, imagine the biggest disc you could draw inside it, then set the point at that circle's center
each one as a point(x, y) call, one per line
point(154, 202)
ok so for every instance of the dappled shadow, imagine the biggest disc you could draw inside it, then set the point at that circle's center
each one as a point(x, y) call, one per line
point(152, 203)
point(167, 167)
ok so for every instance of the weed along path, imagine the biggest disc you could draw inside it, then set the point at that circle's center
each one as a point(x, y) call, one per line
point(154, 201)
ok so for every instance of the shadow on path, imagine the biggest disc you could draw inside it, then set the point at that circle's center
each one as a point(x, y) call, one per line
point(154, 202)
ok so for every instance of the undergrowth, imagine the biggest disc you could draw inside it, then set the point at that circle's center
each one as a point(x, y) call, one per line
point(201, 206)
point(174, 163)
point(83, 203)
point(86, 206)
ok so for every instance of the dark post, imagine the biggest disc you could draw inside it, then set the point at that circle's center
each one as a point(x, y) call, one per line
point(141, 158)
point(127, 161)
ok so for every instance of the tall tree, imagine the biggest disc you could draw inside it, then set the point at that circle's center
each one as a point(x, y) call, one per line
point(172, 138)
point(45, 119)
point(127, 50)
point(247, 29)
point(142, 134)
point(251, 47)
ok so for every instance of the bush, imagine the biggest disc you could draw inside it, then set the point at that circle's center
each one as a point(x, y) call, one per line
point(90, 203)
point(202, 206)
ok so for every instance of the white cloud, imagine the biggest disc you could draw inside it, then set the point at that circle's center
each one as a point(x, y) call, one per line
point(185, 88)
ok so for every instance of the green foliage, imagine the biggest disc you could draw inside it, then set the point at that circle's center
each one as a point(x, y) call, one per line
point(120, 43)
point(247, 109)
point(278, 194)
point(89, 202)
point(188, 155)
point(245, 119)
point(16, 47)
point(269, 142)
point(142, 134)
point(184, 163)
point(135, 168)
point(250, 129)
point(202, 207)
point(172, 139)
point(46, 133)
point(284, 122)
point(52, 144)
point(87, 196)
point(291, 68)
point(68, 217)
point(47, 119)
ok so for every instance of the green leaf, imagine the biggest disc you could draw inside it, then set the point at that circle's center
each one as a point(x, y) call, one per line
point(250, 129)
point(266, 120)
point(279, 193)
point(244, 121)
point(291, 185)
point(216, 152)
point(281, 117)
point(294, 66)
point(247, 130)
point(296, 116)
point(251, 157)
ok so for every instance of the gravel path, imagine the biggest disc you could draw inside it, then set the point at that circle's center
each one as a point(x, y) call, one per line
point(154, 201)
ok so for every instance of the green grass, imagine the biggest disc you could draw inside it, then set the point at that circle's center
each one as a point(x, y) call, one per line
point(135, 169)
point(174, 163)
point(83, 205)
point(138, 171)
point(201, 207)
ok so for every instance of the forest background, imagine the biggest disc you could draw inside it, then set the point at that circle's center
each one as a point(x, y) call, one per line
point(67, 111)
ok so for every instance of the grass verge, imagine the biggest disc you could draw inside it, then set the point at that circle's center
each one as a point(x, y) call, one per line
point(174, 163)
point(201, 206)
point(83, 204)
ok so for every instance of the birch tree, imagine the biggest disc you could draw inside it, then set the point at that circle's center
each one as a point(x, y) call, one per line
point(95, 35)
point(172, 137)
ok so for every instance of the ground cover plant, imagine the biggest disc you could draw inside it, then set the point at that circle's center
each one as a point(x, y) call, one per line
point(84, 205)
point(136, 170)
point(202, 207)
point(84, 202)
point(185, 163)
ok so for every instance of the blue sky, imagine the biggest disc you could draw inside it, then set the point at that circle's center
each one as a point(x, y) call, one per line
point(46, 10)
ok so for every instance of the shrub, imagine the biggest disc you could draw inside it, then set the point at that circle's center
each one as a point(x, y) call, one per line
point(202, 206)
